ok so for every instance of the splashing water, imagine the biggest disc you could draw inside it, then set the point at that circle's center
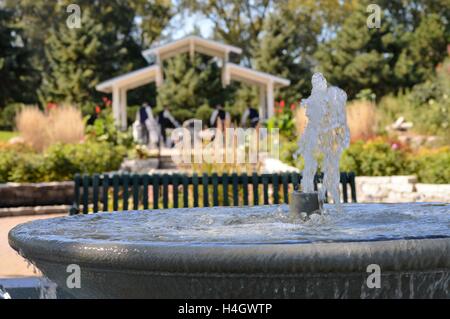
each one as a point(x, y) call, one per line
point(326, 136)
point(3, 293)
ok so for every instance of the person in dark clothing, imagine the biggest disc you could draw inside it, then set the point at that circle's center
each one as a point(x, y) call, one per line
point(143, 117)
point(250, 115)
point(166, 121)
point(218, 117)
point(92, 118)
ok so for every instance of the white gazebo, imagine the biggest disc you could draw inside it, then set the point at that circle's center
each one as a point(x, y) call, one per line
point(119, 85)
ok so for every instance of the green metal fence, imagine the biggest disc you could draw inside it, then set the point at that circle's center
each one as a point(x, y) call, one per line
point(121, 192)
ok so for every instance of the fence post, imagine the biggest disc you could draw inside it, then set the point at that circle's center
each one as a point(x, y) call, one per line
point(175, 179)
point(351, 177)
point(105, 192)
point(145, 182)
point(234, 178)
point(215, 182)
point(245, 188)
point(75, 206)
point(344, 186)
point(135, 189)
point(165, 181)
point(185, 191)
point(225, 190)
point(284, 180)
point(95, 191)
point(205, 183)
point(275, 185)
point(126, 181)
point(86, 182)
point(195, 186)
point(255, 183)
point(265, 181)
point(116, 192)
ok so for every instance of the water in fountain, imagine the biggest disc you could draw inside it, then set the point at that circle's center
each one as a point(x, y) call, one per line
point(258, 224)
point(47, 288)
point(3, 293)
point(326, 135)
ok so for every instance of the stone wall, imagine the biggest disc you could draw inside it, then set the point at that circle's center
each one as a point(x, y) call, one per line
point(36, 194)
point(397, 189)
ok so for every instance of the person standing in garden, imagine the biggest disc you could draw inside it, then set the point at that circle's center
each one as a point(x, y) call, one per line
point(145, 127)
point(250, 118)
point(219, 117)
point(166, 121)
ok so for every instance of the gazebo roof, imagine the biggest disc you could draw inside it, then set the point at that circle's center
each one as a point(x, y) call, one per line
point(250, 76)
point(190, 44)
point(132, 79)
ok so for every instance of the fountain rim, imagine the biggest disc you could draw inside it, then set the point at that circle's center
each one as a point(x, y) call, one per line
point(281, 258)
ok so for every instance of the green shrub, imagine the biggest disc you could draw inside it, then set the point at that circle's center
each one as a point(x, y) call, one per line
point(375, 158)
point(431, 166)
point(427, 105)
point(27, 168)
point(104, 130)
point(15, 159)
point(7, 162)
point(287, 153)
point(204, 113)
point(8, 115)
point(59, 162)
point(63, 161)
point(285, 123)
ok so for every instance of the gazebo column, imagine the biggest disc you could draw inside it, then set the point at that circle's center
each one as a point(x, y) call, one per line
point(262, 102)
point(116, 105)
point(123, 109)
point(159, 78)
point(119, 103)
point(270, 100)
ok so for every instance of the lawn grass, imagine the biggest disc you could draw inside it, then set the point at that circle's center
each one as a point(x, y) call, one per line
point(6, 135)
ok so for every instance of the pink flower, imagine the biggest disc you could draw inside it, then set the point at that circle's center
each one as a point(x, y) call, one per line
point(51, 106)
point(106, 101)
point(395, 146)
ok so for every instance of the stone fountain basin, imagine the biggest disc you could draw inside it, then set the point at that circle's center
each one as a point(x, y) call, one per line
point(410, 268)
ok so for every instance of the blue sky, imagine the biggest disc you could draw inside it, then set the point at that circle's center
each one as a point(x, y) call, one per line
point(183, 24)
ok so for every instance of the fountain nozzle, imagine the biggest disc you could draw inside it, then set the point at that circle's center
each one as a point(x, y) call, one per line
point(304, 203)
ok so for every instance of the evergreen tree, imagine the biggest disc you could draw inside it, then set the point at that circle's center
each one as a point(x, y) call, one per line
point(402, 53)
point(426, 48)
point(109, 43)
point(75, 60)
point(79, 59)
point(359, 57)
point(17, 76)
point(190, 84)
point(36, 19)
point(286, 49)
